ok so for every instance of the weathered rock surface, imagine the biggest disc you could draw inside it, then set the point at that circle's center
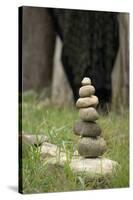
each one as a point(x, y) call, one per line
point(87, 129)
point(91, 168)
point(88, 114)
point(94, 167)
point(86, 81)
point(91, 147)
point(87, 101)
point(86, 91)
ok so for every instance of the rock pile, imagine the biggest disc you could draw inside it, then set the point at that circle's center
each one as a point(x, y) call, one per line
point(91, 144)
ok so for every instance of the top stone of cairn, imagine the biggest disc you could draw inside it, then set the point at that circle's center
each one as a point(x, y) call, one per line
point(86, 81)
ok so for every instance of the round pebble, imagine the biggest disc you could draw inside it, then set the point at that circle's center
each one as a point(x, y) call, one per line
point(91, 147)
point(86, 81)
point(87, 129)
point(86, 91)
point(87, 101)
point(88, 114)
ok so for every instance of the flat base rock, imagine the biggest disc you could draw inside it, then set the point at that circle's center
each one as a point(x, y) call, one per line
point(91, 167)
point(94, 167)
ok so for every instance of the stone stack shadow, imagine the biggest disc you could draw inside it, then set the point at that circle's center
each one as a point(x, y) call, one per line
point(91, 144)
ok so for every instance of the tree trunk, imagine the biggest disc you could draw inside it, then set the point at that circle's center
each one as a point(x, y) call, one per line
point(38, 40)
point(120, 75)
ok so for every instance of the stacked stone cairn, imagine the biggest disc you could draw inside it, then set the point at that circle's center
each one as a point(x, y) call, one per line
point(91, 144)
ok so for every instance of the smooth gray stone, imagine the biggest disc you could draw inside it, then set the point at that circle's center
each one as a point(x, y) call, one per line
point(88, 114)
point(88, 129)
point(87, 101)
point(86, 91)
point(91, 147)
point(86, 81)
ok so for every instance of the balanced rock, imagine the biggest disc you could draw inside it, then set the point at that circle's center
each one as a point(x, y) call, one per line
point(88, 114)
point(87, 101)
point(86, 91)
point(86, 81)
point(91, 147)
point(86, 129)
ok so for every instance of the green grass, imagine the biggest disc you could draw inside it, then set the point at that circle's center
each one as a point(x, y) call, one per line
point(57, 124)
